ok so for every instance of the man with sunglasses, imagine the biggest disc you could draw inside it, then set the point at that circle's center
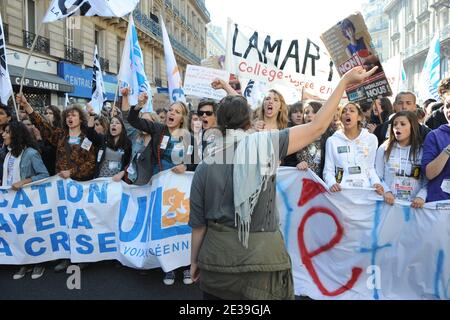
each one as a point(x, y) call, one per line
point(206, 112)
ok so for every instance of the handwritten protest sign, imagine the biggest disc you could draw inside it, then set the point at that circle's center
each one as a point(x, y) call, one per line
point(197, 82)
point(270, 58)
point(350, 45)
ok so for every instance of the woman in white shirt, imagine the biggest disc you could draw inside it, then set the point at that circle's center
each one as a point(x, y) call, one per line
point(350, 154)
point(398, 162)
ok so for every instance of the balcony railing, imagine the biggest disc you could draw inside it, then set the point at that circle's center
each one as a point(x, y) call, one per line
point(186, 52)
point(6, 31)
point(201, 5)
point(42, 44)
point(147, 23)
point(418, 47)
point(445, 33)
point(183, 18)
point(74, 55)
point(104, 64)
point(151, 26)
point(176, 11)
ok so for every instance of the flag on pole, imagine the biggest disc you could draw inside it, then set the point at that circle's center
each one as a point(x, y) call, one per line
point(98, 87)
point(5, 82)
point(176, 91)
point(66, 102)
point(254, 93)
point(430, 77)
point(132, 71)
point(61, 9)
point(403, 85)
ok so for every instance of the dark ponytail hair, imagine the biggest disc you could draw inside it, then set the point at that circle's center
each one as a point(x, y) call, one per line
point(233, 113)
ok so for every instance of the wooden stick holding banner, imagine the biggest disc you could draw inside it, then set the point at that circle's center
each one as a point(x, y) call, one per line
point(29, 56)
point(15, 107)
point(116, 92)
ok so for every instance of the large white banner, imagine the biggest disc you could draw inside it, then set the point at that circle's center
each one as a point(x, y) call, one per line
point(142, 227)
point(348, 245)
point(299, 63)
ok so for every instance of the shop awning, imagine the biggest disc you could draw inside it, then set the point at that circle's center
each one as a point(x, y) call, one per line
point(39, 80)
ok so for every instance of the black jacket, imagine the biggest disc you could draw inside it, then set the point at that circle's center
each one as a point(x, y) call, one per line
point(381, 131)
point(436, 119)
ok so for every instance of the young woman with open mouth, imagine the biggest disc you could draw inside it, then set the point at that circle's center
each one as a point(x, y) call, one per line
point(75, 155)
point(274, 113)
point(350, 154)
point(114, 147)
point(172, 150)
point(398, 162)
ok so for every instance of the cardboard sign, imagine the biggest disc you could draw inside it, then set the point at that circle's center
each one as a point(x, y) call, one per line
point(197, 82)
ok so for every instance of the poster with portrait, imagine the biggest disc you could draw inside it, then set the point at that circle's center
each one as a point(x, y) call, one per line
point(350, 44)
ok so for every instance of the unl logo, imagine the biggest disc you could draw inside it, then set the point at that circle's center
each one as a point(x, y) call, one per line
point(149, 223)
point(178, 211)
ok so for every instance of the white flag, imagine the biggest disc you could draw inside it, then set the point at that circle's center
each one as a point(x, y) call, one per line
point(254, 93)
point(66, 102)
point(5, 82)
point(430, 77)
point(176, 91)
point(132, 70)
point(98, 87)
point(60, 9)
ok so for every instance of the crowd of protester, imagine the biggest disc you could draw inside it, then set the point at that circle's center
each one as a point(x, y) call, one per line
point(399, 149)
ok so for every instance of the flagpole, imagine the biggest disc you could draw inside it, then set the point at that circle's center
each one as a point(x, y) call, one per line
point(115, 97)
point(29, 55)
point(15, 107)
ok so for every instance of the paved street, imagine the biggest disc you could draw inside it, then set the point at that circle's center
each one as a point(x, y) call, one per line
point(101, 280)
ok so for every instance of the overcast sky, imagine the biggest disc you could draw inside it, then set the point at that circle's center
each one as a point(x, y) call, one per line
point(285, 17)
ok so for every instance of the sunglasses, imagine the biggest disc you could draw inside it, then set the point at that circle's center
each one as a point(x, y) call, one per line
point(208, 113)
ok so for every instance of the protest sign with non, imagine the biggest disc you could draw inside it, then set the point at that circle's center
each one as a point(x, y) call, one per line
point(197, 82)
point(350, 44)
point(270, 58)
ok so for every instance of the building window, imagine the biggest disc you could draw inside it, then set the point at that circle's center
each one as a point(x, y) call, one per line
point(99, 41)
point(119, 48)
point(30, 16)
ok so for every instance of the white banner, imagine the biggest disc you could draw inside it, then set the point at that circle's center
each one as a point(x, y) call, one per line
point(350, 245)
point(60, 9)
point(142, 227)
point(299, 63)
point(347, 245)
point(395, 74)
point(197, 82)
